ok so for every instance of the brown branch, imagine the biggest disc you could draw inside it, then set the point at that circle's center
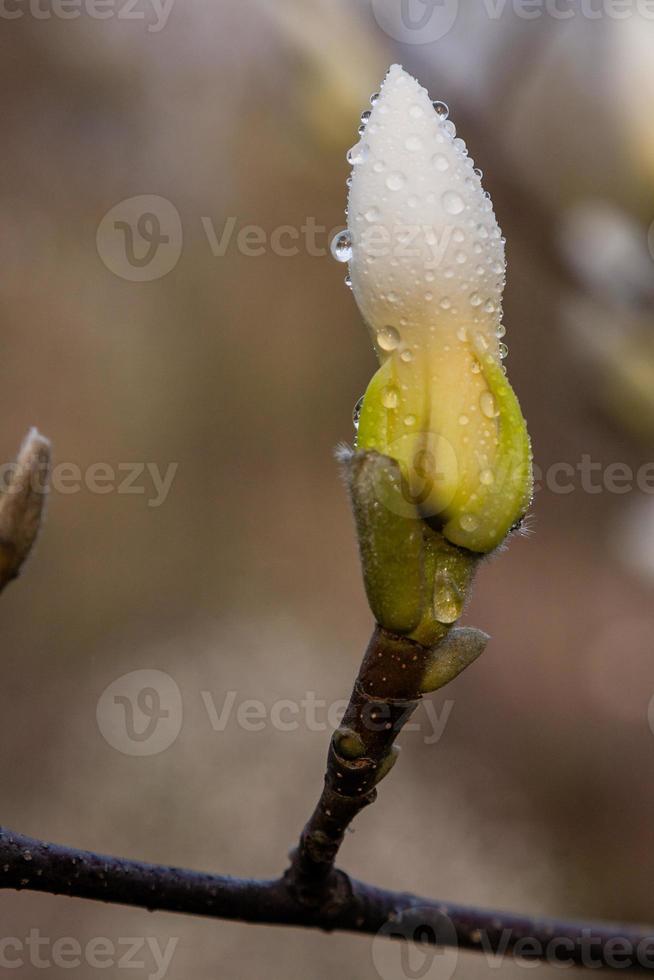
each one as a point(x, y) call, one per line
point(361, 752)
point(357, 907)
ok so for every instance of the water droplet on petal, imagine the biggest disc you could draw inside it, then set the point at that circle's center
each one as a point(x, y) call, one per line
point(357, 154)
point(475, 299)
point(445, 303)
point(395, 181)
point(463, 419)
point(449, 128)
point(365, 116)
point(390, 397)
point(388, 338)
point(374, 98)
point(501, 330)
point(462, 334)
point(453, 202)
point(487, 477)
point(341, 247)
point(406, 355)
point(504, 350)
point(487, 405)
point(442, 109)
point(440, 162)
point(348, 282)
point(413, 143)
point(409, 420)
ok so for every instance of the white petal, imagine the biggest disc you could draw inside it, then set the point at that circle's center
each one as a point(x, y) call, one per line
point(427, 252)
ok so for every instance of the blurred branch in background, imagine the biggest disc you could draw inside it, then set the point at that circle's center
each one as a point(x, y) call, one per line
point(21, 505)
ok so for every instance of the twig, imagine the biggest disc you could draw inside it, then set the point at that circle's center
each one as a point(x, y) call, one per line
point(33, 865)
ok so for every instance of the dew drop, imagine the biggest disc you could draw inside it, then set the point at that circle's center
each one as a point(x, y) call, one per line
point(487, 405)
point(372, 215)
point(348, 282)
point(440, 162)
point(449, 128)
point(445, 303)
point(460, 145)
point(453, 202)
point(442, 109)
point(489, 307)
point(413, 143)
point(447, 599)
point(504, 350)
point(463, 419)
point(348, 180)
point(391, 297)
point(476, 366)
point(395, 181)
point(469, 522)
point(390, 397)
point(501, 331)
point(462, 334)
point(374, 98)
point(475, 299)
point(479, 173)
point(388, 338)
point(356, 413)
point(406, 355)
point(341, 247)
point(378, 166)
point(487, 477)
point(409, 420)
point(365, 116)
point(461, 258)
point(357, 154)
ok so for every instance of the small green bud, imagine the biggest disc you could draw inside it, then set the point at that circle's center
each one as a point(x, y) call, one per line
point(458, 650)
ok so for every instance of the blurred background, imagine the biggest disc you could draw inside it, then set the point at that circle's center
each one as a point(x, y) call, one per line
point(239, 580)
